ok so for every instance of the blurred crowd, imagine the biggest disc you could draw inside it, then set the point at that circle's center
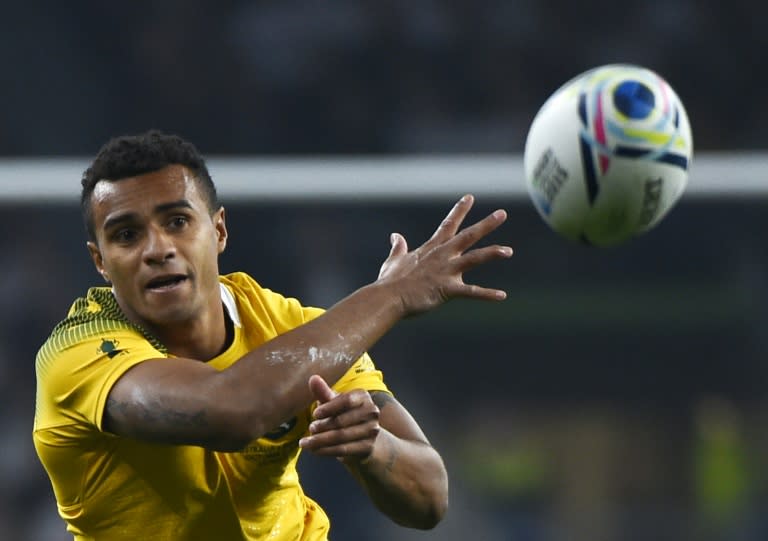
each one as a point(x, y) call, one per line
point(358, 76)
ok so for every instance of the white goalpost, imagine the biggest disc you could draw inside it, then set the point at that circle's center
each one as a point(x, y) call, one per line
point(348, 179)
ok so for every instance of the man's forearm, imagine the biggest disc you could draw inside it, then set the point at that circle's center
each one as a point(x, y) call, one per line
point(269, 385)
point(406, 480)
point(327, 346)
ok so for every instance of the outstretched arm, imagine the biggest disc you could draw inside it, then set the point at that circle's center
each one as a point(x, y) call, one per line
point(184, 401)
point(384, 449)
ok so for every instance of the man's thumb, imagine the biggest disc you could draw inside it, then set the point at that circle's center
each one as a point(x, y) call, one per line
point(399, 245)
point(320, 389)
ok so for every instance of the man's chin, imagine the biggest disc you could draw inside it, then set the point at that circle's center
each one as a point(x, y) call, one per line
point(163, 314)
point(170, 316)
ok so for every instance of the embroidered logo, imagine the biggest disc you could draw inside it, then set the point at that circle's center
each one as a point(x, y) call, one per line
point(109, 348)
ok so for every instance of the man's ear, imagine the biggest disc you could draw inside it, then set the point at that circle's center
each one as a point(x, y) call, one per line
point(98, 262)
point(220, 224)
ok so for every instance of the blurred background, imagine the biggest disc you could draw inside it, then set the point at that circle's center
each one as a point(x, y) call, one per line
point(618, 394)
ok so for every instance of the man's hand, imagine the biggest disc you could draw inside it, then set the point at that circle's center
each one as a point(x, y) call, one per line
point(345, 425)
point(384, 449)
point(440, 263)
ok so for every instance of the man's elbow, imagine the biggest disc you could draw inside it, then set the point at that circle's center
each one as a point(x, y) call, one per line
point(434, 497)
point(428, 514)
point(434, 514)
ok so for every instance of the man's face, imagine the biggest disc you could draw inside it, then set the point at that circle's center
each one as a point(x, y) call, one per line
point(158, 245)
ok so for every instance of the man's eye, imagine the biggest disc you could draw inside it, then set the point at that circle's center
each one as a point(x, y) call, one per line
point(179, 221)
point(125, 235)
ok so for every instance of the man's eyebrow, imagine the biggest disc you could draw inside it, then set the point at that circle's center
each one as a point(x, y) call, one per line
point(181, 203)
point(159, 209)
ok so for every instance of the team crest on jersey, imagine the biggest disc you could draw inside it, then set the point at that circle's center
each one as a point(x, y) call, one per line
point(109, 347)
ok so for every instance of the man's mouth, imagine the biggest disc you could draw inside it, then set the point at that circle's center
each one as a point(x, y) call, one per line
point(166, 282)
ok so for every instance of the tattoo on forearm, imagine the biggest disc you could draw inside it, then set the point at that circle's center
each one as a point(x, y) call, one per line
point(160, 416)
point(389, 465)
point(176, 418)
point(381, 399)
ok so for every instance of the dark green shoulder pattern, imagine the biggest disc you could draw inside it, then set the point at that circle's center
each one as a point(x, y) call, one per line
point(96, 313)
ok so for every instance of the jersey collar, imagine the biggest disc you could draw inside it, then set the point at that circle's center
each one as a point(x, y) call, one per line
point(229, 303)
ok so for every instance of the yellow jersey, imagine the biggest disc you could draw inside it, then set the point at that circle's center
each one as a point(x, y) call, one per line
point(110, 488)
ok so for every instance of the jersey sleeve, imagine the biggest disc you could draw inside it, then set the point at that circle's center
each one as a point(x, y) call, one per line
point(76, 372)
point(362, 375)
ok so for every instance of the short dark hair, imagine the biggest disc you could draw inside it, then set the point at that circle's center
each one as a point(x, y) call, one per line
point(132, 155)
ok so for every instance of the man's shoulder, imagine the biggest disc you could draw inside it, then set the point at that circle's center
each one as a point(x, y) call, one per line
point(265, 302)
point(245, 288)
point(240, 281)
point(93, 315)
point(97, 308)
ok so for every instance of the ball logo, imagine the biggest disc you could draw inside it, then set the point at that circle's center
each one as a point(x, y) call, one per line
point(549, 177)
point(651, 201)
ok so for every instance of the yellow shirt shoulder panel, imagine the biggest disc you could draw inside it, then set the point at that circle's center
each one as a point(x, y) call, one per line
point(83, 357)
point(108, 487)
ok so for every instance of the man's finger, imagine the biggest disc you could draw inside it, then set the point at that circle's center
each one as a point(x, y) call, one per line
point(399, 245)
point(320, 389)
point(451, 223)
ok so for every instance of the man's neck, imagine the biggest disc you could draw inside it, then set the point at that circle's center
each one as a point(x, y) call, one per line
point(201, 339)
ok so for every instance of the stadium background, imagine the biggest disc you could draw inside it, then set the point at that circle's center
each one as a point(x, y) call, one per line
point(617, 395)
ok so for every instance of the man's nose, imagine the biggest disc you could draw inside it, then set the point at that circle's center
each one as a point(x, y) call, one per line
point(159, 246)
